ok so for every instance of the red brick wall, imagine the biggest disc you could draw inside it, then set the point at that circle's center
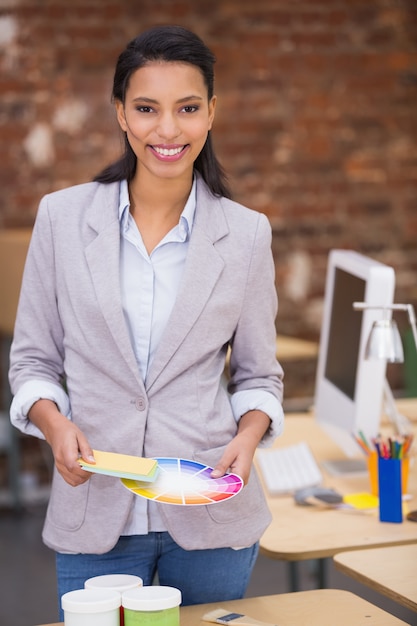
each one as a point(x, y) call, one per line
point(316, 120)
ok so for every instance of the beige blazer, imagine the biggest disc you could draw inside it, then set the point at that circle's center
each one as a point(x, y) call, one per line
point(70, 326)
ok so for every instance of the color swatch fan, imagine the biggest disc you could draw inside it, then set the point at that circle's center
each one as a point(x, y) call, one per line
point(185, 482)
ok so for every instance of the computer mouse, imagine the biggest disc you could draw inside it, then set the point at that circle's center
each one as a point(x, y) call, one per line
point(307, 495)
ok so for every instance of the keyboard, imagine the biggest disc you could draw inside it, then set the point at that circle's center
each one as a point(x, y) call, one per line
point(287, 469)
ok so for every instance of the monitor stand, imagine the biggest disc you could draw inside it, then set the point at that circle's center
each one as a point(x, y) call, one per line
point(353, 462)
point(400, 423)
point(345, 467)
point(358, 466)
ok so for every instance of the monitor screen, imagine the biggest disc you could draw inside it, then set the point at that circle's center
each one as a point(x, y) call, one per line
point(344, 332)
point(350, 388)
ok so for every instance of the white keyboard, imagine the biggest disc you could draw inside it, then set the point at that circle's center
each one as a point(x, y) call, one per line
point(287, 469)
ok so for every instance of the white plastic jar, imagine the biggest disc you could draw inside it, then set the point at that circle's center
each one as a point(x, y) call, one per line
point(116, 582)
point(154, 605)
point(91, 607)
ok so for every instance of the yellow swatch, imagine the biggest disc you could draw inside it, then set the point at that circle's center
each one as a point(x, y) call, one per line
point(121, 465)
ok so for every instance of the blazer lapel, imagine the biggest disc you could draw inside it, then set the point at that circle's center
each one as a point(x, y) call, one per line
point(202, 270)
point(104, 263)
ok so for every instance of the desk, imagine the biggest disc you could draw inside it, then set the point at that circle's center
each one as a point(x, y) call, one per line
point(291, 348)
point(299, 533)
point(14, 243)
point(321, 607)
point(408, 406)
point(391, 571)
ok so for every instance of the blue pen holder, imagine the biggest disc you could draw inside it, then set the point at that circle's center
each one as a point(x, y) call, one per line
point(390, 497)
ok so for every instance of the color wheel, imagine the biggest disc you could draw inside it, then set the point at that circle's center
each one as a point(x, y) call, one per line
point(185, 482)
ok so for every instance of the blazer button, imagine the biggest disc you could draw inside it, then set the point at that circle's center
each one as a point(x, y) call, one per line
point(140, 403)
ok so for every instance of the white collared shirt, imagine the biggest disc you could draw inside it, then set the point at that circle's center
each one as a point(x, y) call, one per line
point(149, 282)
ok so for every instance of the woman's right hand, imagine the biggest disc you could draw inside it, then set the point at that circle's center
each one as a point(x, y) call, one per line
point(67, 441)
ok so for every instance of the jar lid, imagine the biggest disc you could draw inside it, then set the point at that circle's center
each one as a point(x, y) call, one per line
point(151, 598)
point(90, 600)
point(119, 582)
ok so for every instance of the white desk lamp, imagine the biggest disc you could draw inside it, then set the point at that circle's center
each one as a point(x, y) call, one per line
point(384, 342)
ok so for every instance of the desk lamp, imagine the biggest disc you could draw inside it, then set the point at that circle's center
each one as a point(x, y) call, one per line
point(384, 342)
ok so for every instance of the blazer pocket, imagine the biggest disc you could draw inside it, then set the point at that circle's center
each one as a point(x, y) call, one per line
point(248, 502)
point(67, 505)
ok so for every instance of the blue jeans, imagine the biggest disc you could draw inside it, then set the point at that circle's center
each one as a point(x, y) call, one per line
point(201, 575)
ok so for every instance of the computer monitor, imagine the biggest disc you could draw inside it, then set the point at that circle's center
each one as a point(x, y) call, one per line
point(349, 388)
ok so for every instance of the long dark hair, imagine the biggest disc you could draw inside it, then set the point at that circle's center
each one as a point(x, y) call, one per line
point(166, 43)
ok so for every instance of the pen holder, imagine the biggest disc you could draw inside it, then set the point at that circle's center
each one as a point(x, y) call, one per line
point(389, 486)
point(373, 473)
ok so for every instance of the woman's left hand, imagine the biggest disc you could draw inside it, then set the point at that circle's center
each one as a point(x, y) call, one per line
point(238, 455)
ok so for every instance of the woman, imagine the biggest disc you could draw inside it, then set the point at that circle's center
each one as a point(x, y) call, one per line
point(135, 287)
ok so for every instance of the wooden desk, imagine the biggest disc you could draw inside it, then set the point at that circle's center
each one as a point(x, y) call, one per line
point(392, 571)
point(14, 243)
point(321, 607)
point(408, 406)
point(289, 349)
point(299, 533)
point(292, 348)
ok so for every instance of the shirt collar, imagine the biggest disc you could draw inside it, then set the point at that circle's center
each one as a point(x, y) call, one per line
point(187, 216)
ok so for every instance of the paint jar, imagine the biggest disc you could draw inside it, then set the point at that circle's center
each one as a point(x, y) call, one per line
point(116, 582)
point(152, 606)
point(91, 607)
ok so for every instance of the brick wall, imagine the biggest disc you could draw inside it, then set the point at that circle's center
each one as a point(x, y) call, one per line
point(316, 120)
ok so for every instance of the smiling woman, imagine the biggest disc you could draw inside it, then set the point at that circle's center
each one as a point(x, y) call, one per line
point(136, 287)
point(168, 46)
